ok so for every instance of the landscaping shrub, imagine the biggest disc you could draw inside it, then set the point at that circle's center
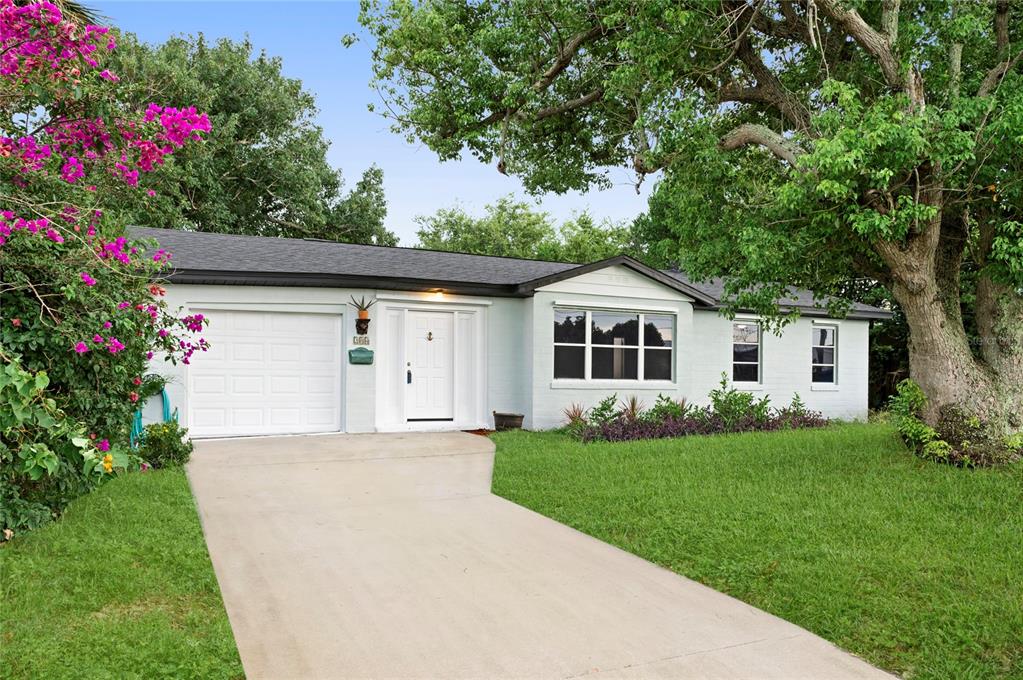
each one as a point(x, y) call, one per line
point(959, 438)
point(733, 406)
point(730, 411)
point(81, 315)
point(165, 445)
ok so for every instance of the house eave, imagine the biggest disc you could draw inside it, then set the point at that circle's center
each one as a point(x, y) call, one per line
point(313, 280)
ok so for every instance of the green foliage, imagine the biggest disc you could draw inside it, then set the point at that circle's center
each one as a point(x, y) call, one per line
point(263, 169)
point(605, 411)
point(840, 530)
point(959, 438)
point(665, 407)
point(732, 405)
point(165, 445)
point(511, 228)
point(45, 456)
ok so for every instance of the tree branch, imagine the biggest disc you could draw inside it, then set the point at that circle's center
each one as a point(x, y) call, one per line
point(890, 20)
point(876, 44)
point(760, 135)
point(566, 54)
point(995, 75)
point(570, 105)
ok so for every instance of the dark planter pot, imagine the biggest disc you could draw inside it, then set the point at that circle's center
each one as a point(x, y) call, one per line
point(508, 421)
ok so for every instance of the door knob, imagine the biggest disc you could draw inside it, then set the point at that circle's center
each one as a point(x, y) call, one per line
point(429, 336)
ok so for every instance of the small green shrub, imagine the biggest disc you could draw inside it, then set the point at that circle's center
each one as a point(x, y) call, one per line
point(732, 405)
point(165, 445)
point(605, 411)
point(666, 408)
point(960, 438)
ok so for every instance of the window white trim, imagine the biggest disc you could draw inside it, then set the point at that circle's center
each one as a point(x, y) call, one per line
point(759, 363)
point(623, 307)
point(640, 348)
point(824, 384)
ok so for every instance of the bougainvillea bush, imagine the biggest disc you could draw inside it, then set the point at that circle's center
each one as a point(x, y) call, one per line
point(730, 410)
point(82, 312)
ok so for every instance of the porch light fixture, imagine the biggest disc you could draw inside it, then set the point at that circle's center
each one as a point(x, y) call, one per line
point(438, 295)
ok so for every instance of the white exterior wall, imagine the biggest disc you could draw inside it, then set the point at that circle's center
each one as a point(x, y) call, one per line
point(703, 352)
point(613, 288)
point(515, 340)
point(367, 399)
point(785, 364)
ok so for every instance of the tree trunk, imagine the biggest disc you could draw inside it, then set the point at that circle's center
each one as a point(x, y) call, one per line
point(942, 363)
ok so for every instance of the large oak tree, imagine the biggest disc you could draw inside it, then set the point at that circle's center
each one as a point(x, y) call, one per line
point(816, 143)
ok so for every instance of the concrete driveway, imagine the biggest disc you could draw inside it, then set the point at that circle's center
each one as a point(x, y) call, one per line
point(386, 556)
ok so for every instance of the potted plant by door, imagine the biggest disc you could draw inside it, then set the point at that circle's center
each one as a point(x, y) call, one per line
point(362, 322)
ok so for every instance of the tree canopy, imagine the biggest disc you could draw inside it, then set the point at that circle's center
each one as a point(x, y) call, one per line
point(513, 228)
point(263, 170)
point(811, 143)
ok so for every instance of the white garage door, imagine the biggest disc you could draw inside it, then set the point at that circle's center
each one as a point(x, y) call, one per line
point(266, 373)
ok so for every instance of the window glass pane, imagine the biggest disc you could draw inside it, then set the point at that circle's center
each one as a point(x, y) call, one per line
point(824, 374)
point(569, 326)
point(658, 330)
point(823, 355)
point(569, 362)
point(824, 336)
point(745, 372)
point(611, 328)
point(615, 364)
point(748, 333)
point(748, 353)
point(657, 364)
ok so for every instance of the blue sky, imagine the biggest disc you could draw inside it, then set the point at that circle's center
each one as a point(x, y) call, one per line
point(307, 36)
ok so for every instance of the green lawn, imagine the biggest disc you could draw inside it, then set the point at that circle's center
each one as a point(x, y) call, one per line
point(120, 587)
point(914, 566)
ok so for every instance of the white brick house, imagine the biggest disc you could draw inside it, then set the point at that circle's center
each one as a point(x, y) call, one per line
point(455, 337)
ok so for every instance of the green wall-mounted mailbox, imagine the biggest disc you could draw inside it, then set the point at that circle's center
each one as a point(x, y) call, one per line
point(360, 355)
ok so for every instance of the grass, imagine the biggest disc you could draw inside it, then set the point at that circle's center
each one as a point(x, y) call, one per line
point(914, 566)
point(120, 587)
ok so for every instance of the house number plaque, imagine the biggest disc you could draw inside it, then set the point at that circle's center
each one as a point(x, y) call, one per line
point(360, 340)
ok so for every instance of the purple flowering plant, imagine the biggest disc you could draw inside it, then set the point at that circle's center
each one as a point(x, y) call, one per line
point(81, 303)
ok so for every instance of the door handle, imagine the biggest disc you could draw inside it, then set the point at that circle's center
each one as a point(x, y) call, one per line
point(408, 377)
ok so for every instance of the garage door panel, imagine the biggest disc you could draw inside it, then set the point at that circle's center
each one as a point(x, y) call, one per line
point(244, 351)
point(267, 373)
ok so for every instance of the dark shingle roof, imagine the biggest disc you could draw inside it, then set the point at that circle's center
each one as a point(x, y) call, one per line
point(800, 299)
point(257, 260)
point(195, 253)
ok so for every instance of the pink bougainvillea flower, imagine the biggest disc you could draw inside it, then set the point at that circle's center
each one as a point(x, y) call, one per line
point(123, 305)
point(150, 193)
point(136, 380)
point(163, 333)
point(107, 324)
point(97, 338)
point(114, 345)
point(105, 73)
point(104, 445)
point(133, 396)
point(149, 355)
point(81, 348)
point(16, 322)
point(88, 280)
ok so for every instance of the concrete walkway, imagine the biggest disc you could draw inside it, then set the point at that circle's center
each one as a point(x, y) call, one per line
point(386, 556)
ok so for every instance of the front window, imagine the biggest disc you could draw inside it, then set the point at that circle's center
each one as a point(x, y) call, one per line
point(822, 354)
point(746, 351)
point(606, 345)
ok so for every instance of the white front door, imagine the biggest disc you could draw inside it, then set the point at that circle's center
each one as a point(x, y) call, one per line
point(430, 366)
